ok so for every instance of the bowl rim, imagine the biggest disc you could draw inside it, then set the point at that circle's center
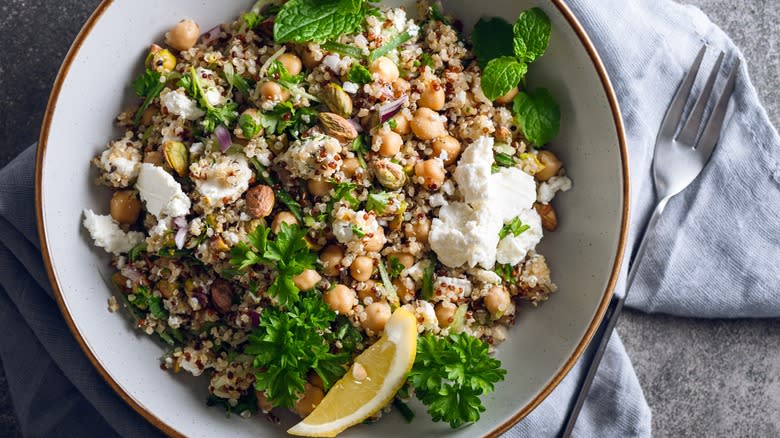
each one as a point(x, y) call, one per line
point(497, 430)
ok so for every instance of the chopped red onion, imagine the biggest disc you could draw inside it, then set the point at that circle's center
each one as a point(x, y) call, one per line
point(179, 238)
point(255, 318)
point(389, 109)
point(223, 137)
point(356, 124)
point(211, 35)
point(180, 221)
point(131, 274)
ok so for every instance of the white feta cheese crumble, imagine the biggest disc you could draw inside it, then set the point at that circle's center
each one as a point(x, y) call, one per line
point(347, 220)
point(466, 233)
point(106, 233)
point(437, 200)
point(121, 162)
point(549, 188)
point(177, 103)
point(161, 193)
point(313, 157)
point(513, 249)
point(485, 276)
point(222, 180)
point(461, 287)
point(350, 87)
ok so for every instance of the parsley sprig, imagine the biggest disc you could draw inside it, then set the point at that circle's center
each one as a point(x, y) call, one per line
point(289, 344)
point(148, 85)
point(215, 115)
point(451, 373)
point(288, 253)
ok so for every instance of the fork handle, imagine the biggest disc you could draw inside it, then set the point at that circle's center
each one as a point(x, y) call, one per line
point(607, 326)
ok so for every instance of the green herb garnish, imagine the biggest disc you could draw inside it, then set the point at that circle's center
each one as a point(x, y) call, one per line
point(501, 75)
point(318, 20)
point(396, 267)
point(136, 251)
point(359, 75)
point(224, 115)
point(148, 85)
point(531, 34)
point(506, 272)
point(451, 373)
point(378, 201)
point(143, 299)
point(504, 160)
point(288, 344)
point(427, 281)
point(343, 49)
point(492, 38)
point(515, 227)
point(357, 231)
point(389, 46)
point(538, 115)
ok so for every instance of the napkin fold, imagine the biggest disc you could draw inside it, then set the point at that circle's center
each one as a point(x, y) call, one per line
point(713, 254)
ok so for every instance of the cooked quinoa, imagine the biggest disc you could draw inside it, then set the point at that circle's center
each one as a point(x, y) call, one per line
point(365, 169)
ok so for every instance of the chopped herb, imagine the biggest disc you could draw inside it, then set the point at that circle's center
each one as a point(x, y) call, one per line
point(506, 272)
point(148, 85)
point(359, 75)
point(389, 46)
point(344, 191)
point(427, 282)
point(357, 231)
point(247, 402)
point(143, 299)
point(236, 80)
point(224, 115)
point(504, 160)
point(427, 60)
point(360, 148)
point(344, 332)
point(252, 19)
point(515, 227)
point(403, 409)
point(392, 123)
point(378, 201)
point(396, 267)
point(136, 251)
point(343, 49)
point(435, 13)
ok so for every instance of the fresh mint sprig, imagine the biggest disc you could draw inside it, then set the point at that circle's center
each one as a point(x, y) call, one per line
point(318, 20)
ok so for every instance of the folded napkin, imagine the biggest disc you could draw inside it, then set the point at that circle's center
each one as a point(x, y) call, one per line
point(712, 254)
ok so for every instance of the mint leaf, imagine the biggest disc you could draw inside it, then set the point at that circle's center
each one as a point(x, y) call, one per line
point(501, 75)
point(492, 39)
point(317, 20)
point(531, 34)
point(538, 115)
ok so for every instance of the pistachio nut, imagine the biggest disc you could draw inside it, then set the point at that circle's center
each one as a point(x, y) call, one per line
point(389, 174)
point(249, 124)
point(337, 127)
point(337, 100)
point(398, 219)
point(160, 60)
point(177, 156)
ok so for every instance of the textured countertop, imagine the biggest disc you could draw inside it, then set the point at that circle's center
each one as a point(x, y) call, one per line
point(700, 377)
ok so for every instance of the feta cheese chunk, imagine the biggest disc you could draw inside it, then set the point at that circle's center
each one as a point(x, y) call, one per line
point(473, 171)
point(463, 235)
point(120, 163)
point(222, 180)
point(106, 233)
point(347, 220)
point(177, 103)
point(513, 249)
point(510, 191)
point(161, 193)
point(313, 157)
point(549, 188)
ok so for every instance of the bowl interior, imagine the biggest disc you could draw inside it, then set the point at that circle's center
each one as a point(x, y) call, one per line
point(582, 253)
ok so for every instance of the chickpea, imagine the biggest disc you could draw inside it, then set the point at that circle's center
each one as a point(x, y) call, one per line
point(331, 257)
point(401, 86)
point(307, 279)
point(291, 63)
point(283, 217)
point(312, 396)
point(362, 268)
point(419, 229)
point(401, 124)
point(404, 258)
point(402, 289)
point(445, 311)
point(376, 241)
point(273, 92)
point(389, 143)
point(448, 144)
point(432, 96)
point(340, 299)
point(507, 98)
point(184, 35)
point(369, 290)
point(497, 301)
point(385, 69)
point(427, 124)
point(263, 404)
point(318, 187)
point(350, 166)
point(310, 58)
point(125, 207)
point(551, 165)
point(432, 172)
point(316, 380)
point(377, 315)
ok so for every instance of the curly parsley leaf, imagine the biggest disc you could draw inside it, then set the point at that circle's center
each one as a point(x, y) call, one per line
point(501, 75)
point(515, 227)
point(359, 75)
point(531, 34)
point(287, 345)
point(396, 267)
point(538, 115)
point(318, 20)
point(492, 38)
point(143, 298)
point(223, 115)
point(451, 373)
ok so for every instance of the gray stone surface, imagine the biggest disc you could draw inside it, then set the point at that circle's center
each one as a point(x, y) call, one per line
point(701, 377)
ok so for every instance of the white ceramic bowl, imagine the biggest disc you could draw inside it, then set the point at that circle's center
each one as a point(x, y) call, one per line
point(93, 86)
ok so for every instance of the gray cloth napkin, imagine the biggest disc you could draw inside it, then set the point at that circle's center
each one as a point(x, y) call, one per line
point(714, 254)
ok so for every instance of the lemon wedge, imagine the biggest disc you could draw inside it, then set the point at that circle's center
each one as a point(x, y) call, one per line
point(370, 383)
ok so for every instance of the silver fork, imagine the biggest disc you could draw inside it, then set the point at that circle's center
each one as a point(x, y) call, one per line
point(677, 161)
